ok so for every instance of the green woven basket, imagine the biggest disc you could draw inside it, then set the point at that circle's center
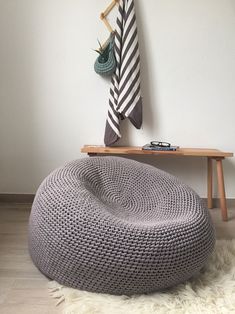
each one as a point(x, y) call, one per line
point(105, 64)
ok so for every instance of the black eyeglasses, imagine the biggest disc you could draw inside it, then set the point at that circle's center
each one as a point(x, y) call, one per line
point(159, 144)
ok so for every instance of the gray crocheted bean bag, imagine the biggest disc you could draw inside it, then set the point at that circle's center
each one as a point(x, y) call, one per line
point(118, 226)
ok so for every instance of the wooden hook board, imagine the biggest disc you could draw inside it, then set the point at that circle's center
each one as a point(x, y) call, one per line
point(103, 15)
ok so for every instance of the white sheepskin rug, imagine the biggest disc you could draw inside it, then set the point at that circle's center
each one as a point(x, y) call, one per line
point(211, 292)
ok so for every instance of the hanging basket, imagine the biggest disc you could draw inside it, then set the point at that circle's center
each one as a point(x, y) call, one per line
point(105, 64)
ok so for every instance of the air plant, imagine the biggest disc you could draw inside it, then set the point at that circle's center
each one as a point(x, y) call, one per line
point(103, 51)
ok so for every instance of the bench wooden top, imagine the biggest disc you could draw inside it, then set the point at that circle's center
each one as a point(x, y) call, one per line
point(134, 150)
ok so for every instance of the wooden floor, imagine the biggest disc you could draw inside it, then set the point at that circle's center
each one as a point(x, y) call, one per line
point(23, 290)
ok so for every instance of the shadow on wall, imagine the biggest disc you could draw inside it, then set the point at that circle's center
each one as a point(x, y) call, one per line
point(148, 82)
point(17, 98)
point(183, 168)
point(193, 170)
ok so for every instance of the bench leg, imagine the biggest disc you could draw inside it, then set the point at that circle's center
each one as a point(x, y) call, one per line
point(221, 189)
point(209, 183)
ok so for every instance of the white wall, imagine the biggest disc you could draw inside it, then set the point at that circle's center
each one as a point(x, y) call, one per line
point(52, 102)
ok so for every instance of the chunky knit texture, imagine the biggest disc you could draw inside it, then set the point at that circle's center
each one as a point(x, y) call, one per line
point(114, 225)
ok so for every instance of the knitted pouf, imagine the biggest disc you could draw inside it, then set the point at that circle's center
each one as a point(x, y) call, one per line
point(118, 226)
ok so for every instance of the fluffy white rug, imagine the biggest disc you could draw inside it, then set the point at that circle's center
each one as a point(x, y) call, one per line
point(212, 292)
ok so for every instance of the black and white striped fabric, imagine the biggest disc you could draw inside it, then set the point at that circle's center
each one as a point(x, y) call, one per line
point(125, 98)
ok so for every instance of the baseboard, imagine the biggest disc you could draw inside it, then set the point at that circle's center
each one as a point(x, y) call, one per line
point(216, 202)
point(17, 198)
point(28, 198)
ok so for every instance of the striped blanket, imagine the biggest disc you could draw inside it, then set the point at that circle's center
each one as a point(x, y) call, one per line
point(125, 98)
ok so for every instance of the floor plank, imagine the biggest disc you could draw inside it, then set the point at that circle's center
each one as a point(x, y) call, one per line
point(23, 289)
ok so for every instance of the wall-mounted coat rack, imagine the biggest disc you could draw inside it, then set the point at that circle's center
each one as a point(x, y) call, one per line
point(103, 15)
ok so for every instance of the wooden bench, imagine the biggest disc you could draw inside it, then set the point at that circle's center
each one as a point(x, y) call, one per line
point(210, 154)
